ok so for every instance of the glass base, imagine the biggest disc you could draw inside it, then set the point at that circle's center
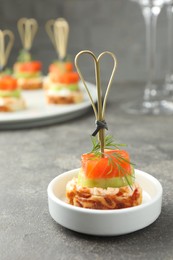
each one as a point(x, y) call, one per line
point(168, 86)
point(163, 107)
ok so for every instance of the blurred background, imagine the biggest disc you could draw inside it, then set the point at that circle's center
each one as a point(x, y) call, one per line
point(97, 25)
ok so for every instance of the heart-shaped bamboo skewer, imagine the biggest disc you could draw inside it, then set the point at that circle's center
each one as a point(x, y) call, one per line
point(100, 112)
point(61, 31)
point(58, 31)
point(6, 44)
point(49, 27)
point(27, 30)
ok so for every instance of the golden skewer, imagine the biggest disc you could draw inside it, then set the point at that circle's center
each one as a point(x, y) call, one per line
point(58, 31)
point(100, 112)
point(49, 27)
point(27, 30)
point(5, 46)
point(61, 31)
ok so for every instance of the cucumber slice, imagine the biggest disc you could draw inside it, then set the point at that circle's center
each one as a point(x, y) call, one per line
point(6, 93)
point(72, 87)
point(27, 75)
point(115, 182)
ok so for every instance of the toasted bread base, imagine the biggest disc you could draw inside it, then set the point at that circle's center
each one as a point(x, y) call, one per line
point(75, 97)
point(10, 104)
point(29, 84)
point(98, 198)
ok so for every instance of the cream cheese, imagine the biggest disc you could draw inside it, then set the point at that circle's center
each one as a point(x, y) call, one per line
point(62, 93)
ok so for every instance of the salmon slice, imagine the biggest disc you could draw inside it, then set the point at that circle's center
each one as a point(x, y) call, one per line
point(115, 163)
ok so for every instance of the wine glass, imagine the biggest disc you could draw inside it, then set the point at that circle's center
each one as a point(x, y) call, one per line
point(156, 98)
point(169, 72)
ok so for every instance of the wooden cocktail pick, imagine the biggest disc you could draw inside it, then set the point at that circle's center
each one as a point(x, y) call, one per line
point(58, 31)
point(6, 44)
point(100, 110)
point(27, 30)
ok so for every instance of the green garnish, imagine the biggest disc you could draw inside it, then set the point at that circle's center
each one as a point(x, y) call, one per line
point(67, 58)
point(6, 71)
point(13, 93)
point(71, 87)
point(109, 143)
point(27, 75)
point(24, 55)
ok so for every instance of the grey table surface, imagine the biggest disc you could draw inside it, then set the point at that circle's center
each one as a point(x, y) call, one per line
point(30, 159)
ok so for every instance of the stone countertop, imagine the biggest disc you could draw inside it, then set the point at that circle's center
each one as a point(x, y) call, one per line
point(30, 159)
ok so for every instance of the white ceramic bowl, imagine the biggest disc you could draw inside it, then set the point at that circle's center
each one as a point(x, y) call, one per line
point(105, 222)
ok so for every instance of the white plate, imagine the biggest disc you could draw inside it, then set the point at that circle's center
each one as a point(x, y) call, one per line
point(39, 113)
point(105, 222)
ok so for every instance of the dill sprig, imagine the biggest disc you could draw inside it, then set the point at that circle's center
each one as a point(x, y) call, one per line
point(24, 56)
point(111, 144)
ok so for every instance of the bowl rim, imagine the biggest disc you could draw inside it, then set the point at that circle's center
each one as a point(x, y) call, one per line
point(52, 196)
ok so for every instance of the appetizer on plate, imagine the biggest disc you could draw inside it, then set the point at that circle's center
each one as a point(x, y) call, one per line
point(10, 95)
point(26, 70)
point(106, 179)
point(62, 83)
point(28, 74)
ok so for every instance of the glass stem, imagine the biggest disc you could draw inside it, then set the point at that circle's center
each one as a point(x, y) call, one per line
point(169, 72)
point(150, 14)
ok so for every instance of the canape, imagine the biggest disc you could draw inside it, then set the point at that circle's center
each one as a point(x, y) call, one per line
point(10, 95)
point(106, 179)
point(62, 84)
point(28, 74)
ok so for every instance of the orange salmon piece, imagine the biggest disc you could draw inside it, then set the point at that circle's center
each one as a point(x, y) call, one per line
point(97, 167)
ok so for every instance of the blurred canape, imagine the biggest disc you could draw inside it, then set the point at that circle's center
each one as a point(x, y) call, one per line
point(62, 82)
point(27, 70)
point(10, 94)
